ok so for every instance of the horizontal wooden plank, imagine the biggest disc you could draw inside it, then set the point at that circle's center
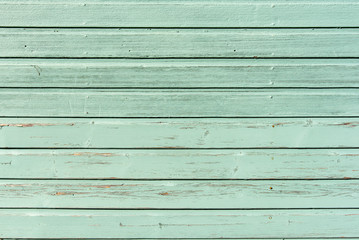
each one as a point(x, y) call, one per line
point(239, 194)
point(180, 164)
point(181, 73)
point(189, 238)
point(179, 133)
point(178, 103)
point(226, 13)
point(36, 223)
point(186, 43)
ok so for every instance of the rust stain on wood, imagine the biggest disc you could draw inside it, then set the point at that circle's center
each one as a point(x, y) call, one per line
point(92, 154)
point(280, 124)
point(164, 193)
point(347, 124)
point(62, 193)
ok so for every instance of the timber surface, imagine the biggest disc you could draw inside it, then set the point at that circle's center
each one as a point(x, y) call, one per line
point(204, 119)
point(180, 164)
point(178, 43)
point(179, 73)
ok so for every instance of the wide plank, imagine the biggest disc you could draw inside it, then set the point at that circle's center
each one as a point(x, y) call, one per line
point(179, 103)
point(227, 13)
point(179, 164)
point(178, 43)
point(180, 73)
point(239, 194)
point(180, 133)
point(43, 223)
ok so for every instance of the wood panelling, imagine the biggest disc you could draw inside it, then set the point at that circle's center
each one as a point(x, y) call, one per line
point(180, 133)
point(180, 73)
point(36, 223)
point(174, 13)
point(204, 119)
point(178, 103)
point(178, 43)
point(179, 164)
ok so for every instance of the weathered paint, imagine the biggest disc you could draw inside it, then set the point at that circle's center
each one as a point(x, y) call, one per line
point(180, 133)
point(180, 164)
point(178, 43)
point(179, 194)
point(45, 223)
point(178, 103)
point(180, 73)
point(204, 119)
point(174, 13)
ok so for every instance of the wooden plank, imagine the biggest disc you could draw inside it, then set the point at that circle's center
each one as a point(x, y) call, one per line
point(180, 164)
point(178, 103)
point(189, 238)
point(37, 223)
point(328, 13)
point(180, 133)
point(179, 73)
point(179, 43)
point(239, 194)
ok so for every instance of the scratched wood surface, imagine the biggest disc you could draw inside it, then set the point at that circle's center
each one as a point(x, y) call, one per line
point(178, 103)
point(180, 73)
point(180, 133)
point(46, 223)
point(179, 194)
point(178, 43)
point(228, 13)
point(180, 164)
point(192, 119)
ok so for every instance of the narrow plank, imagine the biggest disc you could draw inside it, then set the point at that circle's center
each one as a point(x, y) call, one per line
point(178, 103)
point(226, 13)
point(180, 164)
point(181, 73)
point(239, 194)
point(34, 223)
point(189, 238)
point(180, 43)
point(180, 133)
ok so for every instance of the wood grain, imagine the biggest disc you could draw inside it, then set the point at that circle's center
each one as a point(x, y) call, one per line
point(178, 103)
point(180, 73)
point(179, 194)
point(226, 13)
point(37, 223)
point(178, 43)
point(180, 164)
point(180, 133)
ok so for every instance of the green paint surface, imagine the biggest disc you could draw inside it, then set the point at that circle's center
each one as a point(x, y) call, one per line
point(192, 119)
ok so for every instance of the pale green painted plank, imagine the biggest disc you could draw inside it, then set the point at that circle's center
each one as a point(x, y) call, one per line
point(34, 223)
point(179, 194)
point(226, 13)
point(205, 43)
point(180, 164)
point(179, 133)
point(187, 238)
point(185, 73)
point(178, 103)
